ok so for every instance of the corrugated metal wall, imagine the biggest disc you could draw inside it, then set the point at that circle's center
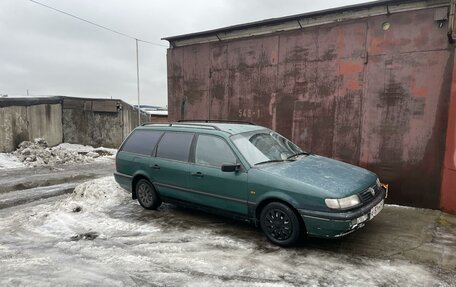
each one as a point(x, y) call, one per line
point(354, 91)
point(448, 190)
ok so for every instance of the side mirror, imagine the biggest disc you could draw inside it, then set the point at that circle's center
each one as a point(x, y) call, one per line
point(231, 167)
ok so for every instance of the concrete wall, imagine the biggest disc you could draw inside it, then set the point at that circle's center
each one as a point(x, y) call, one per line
point(92, 128)
point(130, 119)
point(45, 121)
point(13, 127)
point(98, 122)
point(95, 122)
point(26, 119)
point(92, 122)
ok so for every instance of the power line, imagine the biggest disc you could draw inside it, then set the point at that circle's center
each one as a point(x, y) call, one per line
point(98, 25)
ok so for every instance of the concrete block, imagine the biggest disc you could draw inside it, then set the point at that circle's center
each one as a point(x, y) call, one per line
point(13, 127)
point(45, 121)
point(92, 128)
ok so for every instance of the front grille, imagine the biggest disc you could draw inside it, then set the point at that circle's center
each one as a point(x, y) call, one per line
point(367, 195)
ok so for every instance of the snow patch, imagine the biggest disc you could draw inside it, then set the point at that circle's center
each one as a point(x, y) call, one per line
point(8, 160)
point(86, 149)
point(94, 199)
point(38, 153)
point(400, 206)
point(112, 241)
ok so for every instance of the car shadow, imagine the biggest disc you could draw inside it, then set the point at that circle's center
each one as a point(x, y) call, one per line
point(170, 216)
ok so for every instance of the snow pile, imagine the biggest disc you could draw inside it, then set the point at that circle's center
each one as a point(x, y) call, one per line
point(38, 153)
point(95, 195)
point(85, 214)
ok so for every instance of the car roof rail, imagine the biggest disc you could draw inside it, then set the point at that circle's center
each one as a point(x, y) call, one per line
point(177, 124)
point(219, 121)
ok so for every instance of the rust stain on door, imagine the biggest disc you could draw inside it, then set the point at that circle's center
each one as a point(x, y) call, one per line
point(353, 91)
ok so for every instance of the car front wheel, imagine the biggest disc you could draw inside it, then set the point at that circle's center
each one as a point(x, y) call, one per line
point(280, 224)
point(146, 194)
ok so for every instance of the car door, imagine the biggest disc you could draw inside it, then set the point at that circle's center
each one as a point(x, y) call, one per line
point(218, 189)
point(171, 164)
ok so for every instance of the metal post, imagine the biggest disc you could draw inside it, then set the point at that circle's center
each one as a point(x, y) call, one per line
point(137, 83)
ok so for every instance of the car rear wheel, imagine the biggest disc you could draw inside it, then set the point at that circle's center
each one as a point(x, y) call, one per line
point(146, 194)
point(280, 224)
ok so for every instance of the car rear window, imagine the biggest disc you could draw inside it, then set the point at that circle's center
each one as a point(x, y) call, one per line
point(175, 146)
point(142, 142)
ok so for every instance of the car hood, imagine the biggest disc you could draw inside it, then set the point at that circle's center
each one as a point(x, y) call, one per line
point(335, 178)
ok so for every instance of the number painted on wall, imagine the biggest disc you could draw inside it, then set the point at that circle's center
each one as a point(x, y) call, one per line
point(249, 113)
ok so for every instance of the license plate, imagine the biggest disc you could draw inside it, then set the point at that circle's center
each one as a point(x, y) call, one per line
point(376, 209)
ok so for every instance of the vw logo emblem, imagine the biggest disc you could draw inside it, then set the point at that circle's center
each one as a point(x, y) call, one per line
point(372, 191)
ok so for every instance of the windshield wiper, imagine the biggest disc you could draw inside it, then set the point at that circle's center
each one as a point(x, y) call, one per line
point(299, 153)
point(282, 160)
point(268, 161)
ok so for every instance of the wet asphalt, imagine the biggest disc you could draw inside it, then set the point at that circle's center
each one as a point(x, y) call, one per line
point(27, 178)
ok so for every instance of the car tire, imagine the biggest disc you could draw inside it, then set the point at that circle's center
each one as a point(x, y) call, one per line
point(146, 195)
point(280, 224)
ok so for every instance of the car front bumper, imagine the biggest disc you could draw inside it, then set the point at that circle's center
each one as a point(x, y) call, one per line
point(337, 224)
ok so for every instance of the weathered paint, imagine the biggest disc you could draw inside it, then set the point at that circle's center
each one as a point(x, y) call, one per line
point(448, 192)
point(352, 91)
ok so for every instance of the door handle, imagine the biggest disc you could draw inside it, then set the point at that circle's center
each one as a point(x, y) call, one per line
point(155, 166)
point(197, 174)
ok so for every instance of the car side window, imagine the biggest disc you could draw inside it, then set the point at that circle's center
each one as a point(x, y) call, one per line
point(175, 146)
point(213, 151)
point(142, 142)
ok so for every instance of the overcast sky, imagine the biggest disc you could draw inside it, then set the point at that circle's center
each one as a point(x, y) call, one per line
point(49, 53)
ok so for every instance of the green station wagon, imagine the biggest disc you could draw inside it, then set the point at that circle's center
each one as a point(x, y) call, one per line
point(249, 172)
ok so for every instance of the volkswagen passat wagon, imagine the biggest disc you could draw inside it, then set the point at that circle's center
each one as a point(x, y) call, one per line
point(250, 172)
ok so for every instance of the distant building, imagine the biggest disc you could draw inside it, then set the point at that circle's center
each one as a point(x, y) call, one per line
point(58, 119)
point(156, 114)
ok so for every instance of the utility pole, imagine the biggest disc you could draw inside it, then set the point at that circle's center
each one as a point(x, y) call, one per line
point(137, 83)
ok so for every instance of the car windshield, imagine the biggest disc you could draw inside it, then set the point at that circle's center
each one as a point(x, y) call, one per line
point(265, 146)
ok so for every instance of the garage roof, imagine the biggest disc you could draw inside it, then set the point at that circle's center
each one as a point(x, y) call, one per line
point(299, 21)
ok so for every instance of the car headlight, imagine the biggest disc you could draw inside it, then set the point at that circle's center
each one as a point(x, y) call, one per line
point(342, 203)
point(379, 184)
